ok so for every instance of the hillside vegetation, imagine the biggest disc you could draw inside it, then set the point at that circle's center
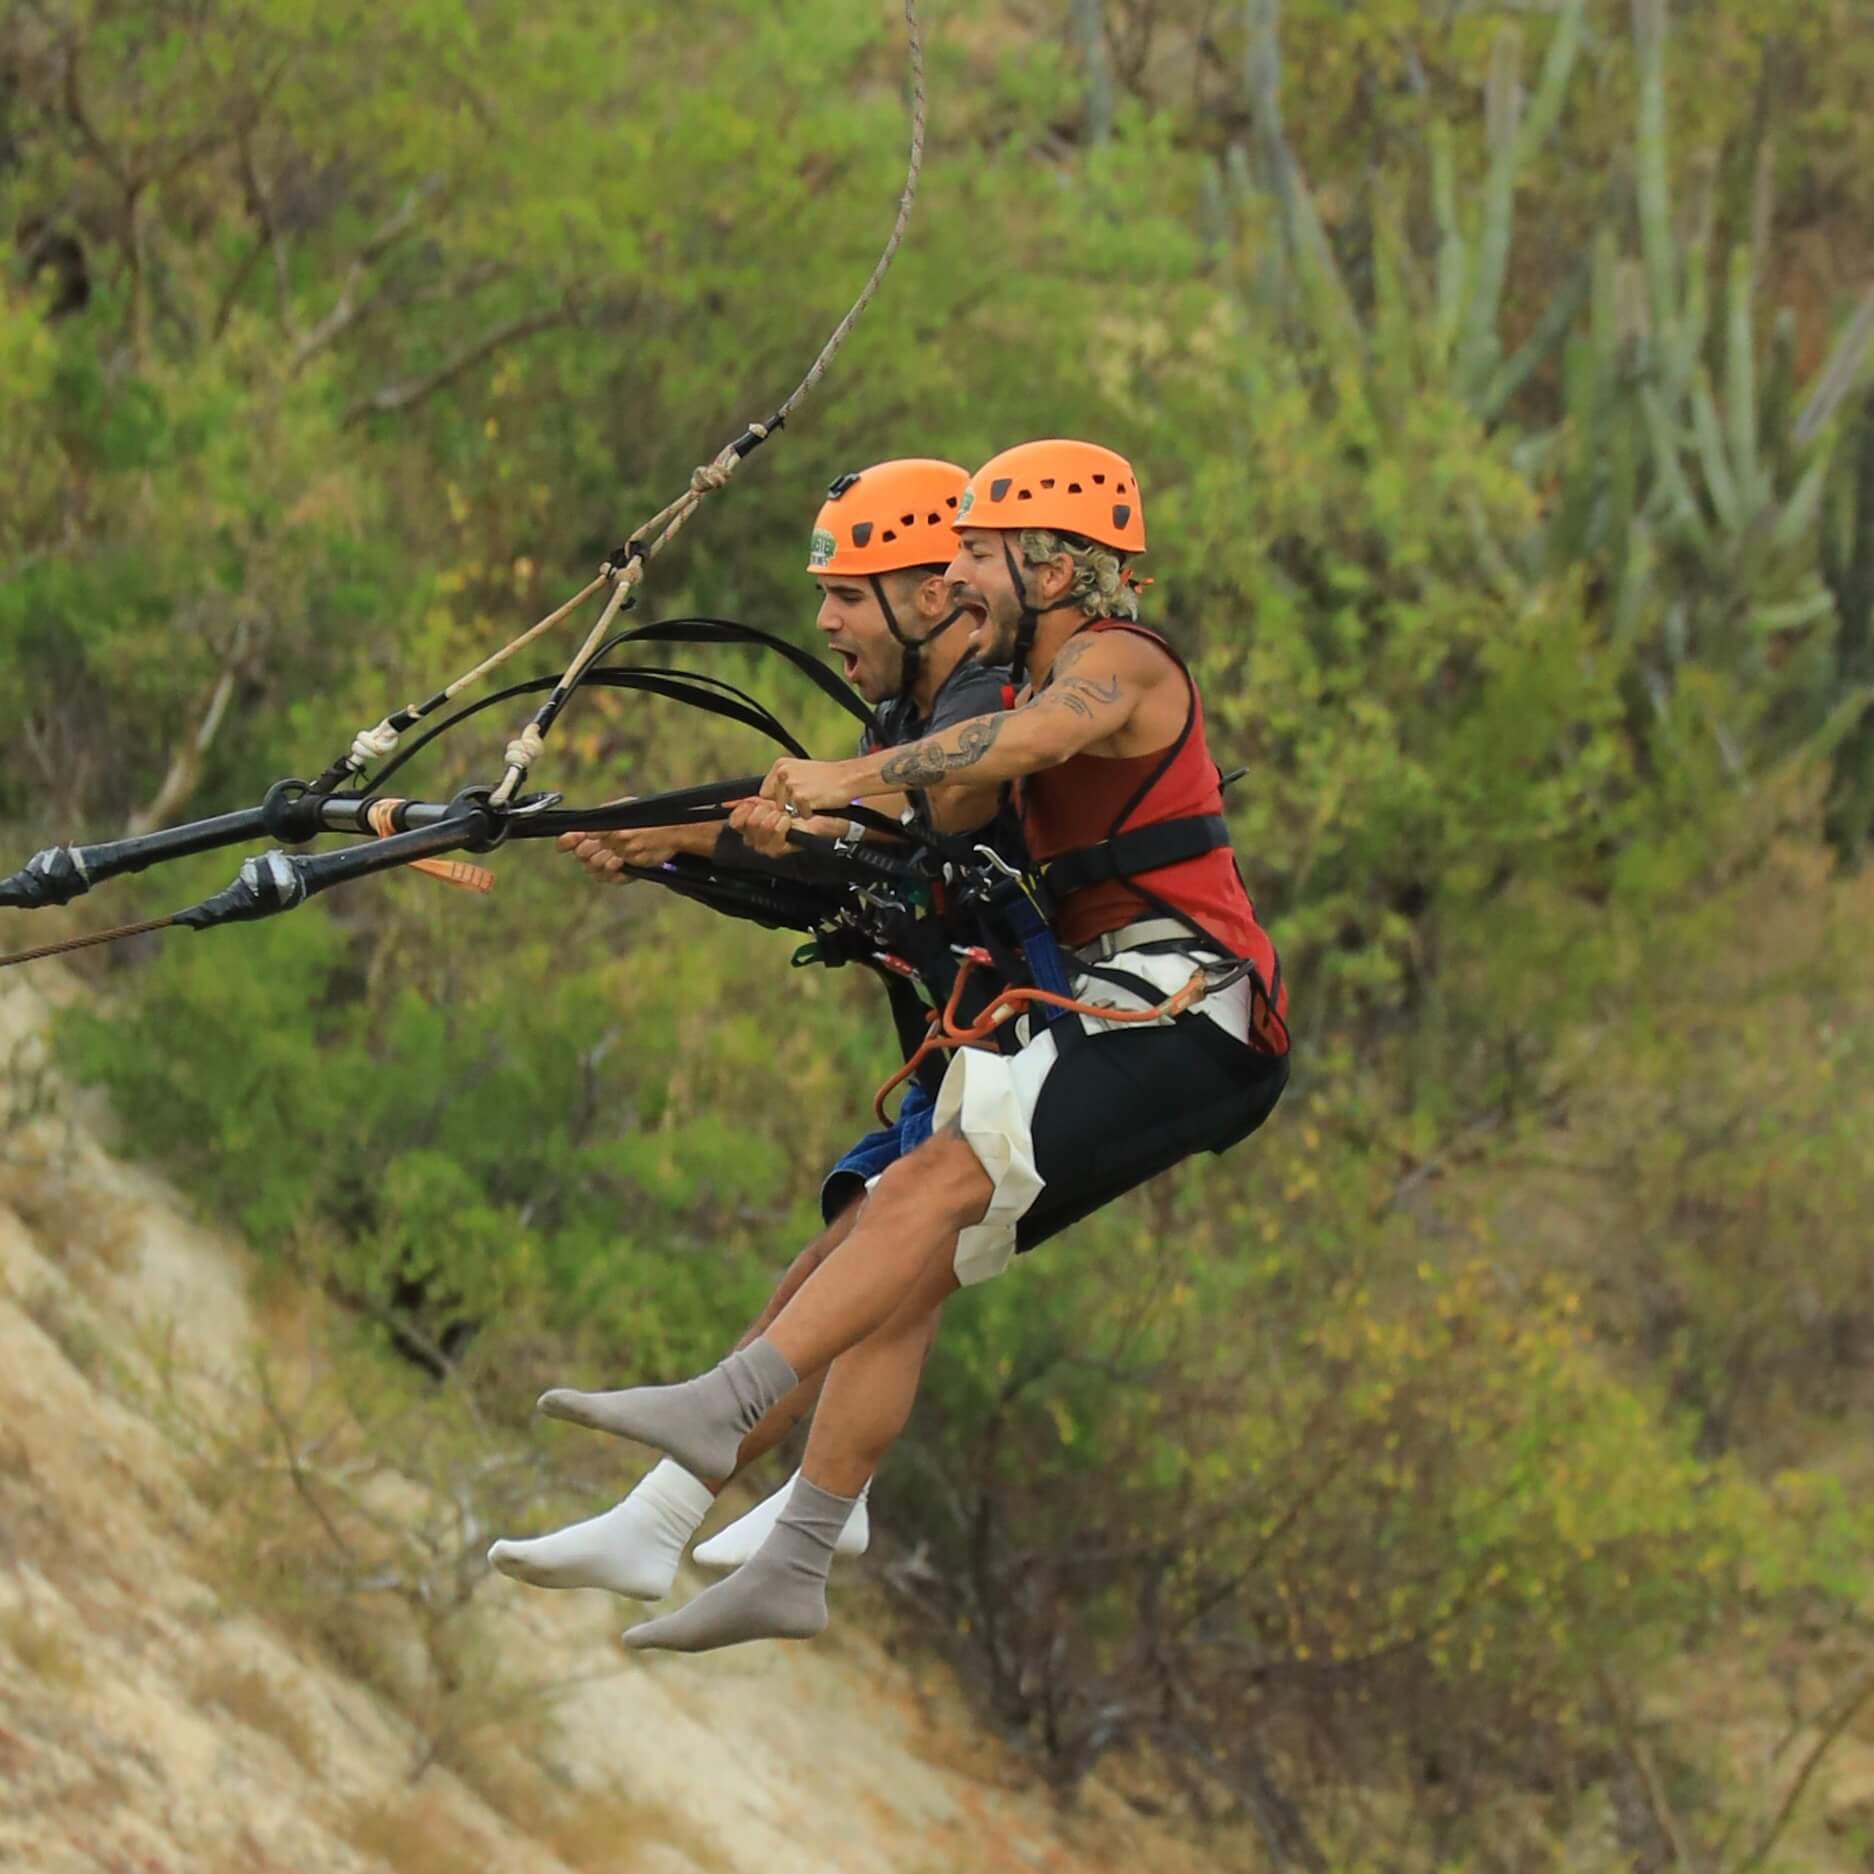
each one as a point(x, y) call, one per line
point(1472, 1472)
point(245, 1629)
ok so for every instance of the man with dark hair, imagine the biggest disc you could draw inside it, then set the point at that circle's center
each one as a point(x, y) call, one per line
point(879, 550)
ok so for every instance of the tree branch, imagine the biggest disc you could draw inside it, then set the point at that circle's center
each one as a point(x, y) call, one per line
point(414, 390)
point(346, 307)
point(1657, 1802)
point(186, 764)
point(1849, 1710)
point(87, 130)
point(276, 246)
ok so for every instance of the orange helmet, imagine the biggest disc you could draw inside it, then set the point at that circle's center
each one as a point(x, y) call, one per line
point(1066, 487)
point(888, 518)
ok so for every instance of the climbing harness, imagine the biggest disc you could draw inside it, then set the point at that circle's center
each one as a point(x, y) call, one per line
point(949, 1030)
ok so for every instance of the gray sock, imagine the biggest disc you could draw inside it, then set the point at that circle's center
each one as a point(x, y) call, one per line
point(700, 1423)
point(779, 1593)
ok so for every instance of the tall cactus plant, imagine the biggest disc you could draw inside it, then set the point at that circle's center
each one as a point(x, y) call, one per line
point(1848, 567)
point(1683, 432)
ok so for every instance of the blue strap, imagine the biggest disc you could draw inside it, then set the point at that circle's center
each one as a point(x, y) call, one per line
point(1047, 969)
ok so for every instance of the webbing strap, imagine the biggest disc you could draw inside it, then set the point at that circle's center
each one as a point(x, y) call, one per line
point(1143, 849)
point(705, 630)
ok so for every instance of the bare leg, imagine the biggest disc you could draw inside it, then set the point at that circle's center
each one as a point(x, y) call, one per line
point(899, 1255)
point(795, 1407)
point(635, 1547)
point(780, 1593)
point(868, 1396)
point(882, 1360)
point(803, 1266)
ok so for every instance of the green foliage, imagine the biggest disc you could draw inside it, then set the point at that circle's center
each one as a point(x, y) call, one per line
point(354, 1111)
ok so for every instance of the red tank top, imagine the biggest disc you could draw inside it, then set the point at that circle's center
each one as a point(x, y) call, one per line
point(1089, 798)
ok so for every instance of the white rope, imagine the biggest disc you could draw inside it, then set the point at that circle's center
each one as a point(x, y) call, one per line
point(370, 745)
point(525, 748)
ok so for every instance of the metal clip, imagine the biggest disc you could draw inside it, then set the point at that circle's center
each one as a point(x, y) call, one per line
point(1017, 877)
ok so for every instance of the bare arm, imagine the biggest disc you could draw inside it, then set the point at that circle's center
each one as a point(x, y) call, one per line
point(1096, 685)
point(605, 855)
point(961, 809)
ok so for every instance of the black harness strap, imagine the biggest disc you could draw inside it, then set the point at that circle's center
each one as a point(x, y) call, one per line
point(1026, 626)
point(1118, 845)
point(732, 631)
point(1125, 855)
point(1142, 849)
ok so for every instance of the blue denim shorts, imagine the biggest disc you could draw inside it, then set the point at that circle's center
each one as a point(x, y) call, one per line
point(877, 1152)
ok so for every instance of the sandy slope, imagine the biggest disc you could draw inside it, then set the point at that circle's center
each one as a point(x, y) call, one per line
point(153, 1723)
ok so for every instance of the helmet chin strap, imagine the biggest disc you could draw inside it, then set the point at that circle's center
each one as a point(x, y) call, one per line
point(911, 650)
point(1029, 623)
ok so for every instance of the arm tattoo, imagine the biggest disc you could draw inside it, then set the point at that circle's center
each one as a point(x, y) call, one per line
point(1083, 695)
point(927, 762)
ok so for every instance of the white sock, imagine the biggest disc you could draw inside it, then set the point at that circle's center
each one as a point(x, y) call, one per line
point(736, 1544)
point(633, 1549)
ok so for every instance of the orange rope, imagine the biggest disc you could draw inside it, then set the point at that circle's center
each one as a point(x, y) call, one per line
point(944, 1032)
point(382, 815)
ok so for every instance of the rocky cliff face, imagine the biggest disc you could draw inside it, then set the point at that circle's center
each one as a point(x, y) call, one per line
point(165, 1710)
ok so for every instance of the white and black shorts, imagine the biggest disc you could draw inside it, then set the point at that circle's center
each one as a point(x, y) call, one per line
point(1087, 1110)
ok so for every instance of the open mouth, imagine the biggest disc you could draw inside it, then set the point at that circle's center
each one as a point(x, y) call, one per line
point(849, 663)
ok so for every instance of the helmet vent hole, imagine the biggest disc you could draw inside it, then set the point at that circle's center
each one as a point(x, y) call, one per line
point(907, 520)
point(999, 488)
point(931, 520)
point(950, 501)
point(890, 534)
point(1074, 488)
point(1121, 489)
point(1122, 513)
point(1099, 481)
point(861, 532)
point(1027, 494)
point(1049, 482)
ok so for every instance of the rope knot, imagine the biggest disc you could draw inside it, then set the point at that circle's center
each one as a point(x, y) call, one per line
point(713, 475)
point(525, 748)
point(370, 745)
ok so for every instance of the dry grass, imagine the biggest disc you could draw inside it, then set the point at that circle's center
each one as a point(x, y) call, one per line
point(44, 1652)
point(502, 1767)
point(248, 1695)
point(15, 1459)
point(592, 1832)
point(73, 1224)
point(244, 1854)
point(601, 1834)
point(415, 1834)
point(75, 1336)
